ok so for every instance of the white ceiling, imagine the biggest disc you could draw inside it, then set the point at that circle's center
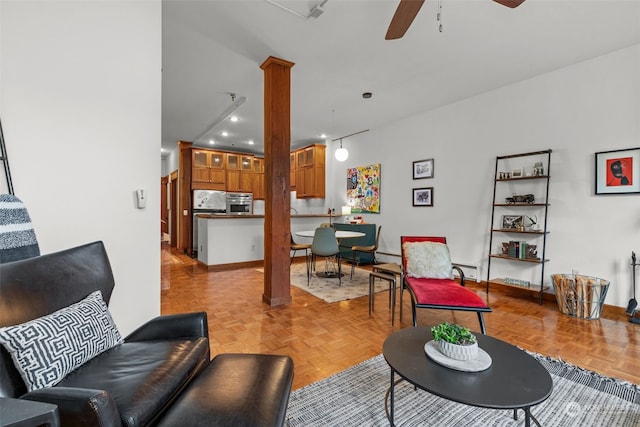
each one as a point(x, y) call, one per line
point(211, 48)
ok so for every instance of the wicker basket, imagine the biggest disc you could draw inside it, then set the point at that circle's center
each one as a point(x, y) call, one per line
point(580, 296)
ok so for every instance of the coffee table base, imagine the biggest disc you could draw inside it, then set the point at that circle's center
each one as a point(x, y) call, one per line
point(389, 409)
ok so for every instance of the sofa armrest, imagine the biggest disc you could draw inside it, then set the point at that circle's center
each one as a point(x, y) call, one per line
point(80, 406)
point(188, 325)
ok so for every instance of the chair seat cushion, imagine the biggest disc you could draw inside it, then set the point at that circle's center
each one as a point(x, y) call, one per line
point(143, 377)
point(443, 292)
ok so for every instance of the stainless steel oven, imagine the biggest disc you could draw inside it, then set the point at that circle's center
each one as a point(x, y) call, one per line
point(239, 204)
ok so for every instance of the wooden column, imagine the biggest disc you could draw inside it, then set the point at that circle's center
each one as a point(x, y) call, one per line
point(183, 228)
point(277, 146)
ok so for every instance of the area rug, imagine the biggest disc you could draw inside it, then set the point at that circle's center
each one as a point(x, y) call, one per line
point(328, 288)
point(355, 397)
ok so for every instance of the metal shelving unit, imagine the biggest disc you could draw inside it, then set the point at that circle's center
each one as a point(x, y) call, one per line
point(499, 179)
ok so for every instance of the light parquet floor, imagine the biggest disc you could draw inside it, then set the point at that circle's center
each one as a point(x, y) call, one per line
point(324, 338)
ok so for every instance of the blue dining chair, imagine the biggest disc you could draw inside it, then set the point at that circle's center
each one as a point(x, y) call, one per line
point(325, 245)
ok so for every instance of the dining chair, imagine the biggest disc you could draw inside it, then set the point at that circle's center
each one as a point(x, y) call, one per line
point(295, 247)
point(325, 245)
point(367, 249)
point(306, 247)
point(428, 276)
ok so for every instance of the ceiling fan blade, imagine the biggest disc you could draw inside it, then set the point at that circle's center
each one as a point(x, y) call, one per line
point(510, 3)
point(402, 19)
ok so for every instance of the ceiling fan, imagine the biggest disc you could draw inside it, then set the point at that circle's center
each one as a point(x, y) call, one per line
point(408, 9)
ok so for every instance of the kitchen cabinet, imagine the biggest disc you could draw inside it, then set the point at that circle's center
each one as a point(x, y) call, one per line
point(233, 161)
point(238, 173)
point(292, 170)
point(310, 172)
point(207, 170)
point(519, 217)
point(257, 179)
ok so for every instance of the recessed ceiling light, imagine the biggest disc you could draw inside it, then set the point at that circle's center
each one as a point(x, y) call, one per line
point(251, 142)
point(234, 118)
point(225, 133)
point(211, 141)
point(323, 136)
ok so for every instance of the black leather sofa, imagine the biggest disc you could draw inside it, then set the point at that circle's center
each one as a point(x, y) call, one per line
point(146, 378)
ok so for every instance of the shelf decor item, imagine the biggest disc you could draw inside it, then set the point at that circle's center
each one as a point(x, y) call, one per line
point(517, 282)
point(512, 222)
point(618, 171)
point(423, 196)
point(455, 341)
point(423, 169)
point(524, 198)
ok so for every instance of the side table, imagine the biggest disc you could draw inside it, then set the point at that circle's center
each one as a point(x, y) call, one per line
point(389, 272)
point(391, 278)
point(27, 413)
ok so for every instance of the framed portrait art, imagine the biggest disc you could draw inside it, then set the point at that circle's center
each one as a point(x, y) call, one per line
point(423, 196)
point(618, 171)
point(423, 169)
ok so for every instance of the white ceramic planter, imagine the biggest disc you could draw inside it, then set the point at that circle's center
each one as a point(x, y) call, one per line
point(459, 352)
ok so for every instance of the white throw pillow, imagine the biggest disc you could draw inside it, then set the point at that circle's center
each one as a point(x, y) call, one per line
point(46, 349)
point(428, 260)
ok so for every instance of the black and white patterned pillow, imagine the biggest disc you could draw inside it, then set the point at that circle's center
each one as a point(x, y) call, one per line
point(46, 349)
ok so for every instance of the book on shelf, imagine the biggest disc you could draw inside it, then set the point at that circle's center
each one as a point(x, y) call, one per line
point(518, 249)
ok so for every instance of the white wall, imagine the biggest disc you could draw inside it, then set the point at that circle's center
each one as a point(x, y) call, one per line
point(576, 111)
point(169, 162)
point(80, 108)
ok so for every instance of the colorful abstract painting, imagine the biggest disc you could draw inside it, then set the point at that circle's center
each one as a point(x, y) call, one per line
point(363, 189)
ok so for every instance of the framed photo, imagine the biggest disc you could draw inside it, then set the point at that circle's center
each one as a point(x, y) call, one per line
point(512, 222)
point(423, 169)
point(516, 173)
point(423, 196)
point(618, 171)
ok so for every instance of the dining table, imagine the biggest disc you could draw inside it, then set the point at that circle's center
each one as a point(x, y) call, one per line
point(340, 234)
point(329, 271)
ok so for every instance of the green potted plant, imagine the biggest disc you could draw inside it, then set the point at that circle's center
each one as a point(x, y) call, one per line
point(455, 341)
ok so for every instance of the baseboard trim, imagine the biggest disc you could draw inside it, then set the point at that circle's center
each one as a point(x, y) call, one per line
point(233, 265)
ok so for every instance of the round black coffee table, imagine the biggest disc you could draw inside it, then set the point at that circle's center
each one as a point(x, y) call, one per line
point(514, 380)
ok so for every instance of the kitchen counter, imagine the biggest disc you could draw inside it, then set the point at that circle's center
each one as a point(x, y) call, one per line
point(218, 216)
point(227, 241)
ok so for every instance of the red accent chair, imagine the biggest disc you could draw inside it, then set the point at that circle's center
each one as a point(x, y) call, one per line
point(437, 293)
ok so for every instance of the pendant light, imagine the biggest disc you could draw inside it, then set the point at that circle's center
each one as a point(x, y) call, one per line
point(341, 153)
